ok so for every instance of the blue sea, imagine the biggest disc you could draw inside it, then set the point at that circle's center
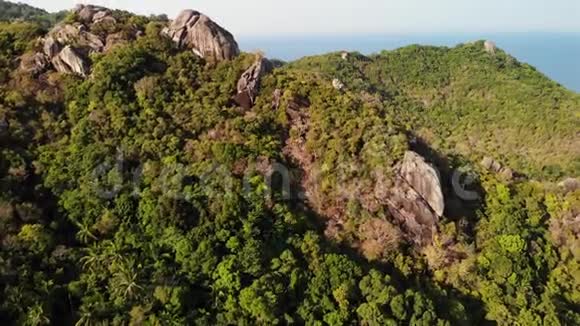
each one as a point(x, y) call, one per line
point(557, 55)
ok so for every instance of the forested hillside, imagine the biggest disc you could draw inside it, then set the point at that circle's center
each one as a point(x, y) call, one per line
point(10, 11)
point(151, 174)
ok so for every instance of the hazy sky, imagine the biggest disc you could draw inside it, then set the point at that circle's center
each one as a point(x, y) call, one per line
point(276, 17)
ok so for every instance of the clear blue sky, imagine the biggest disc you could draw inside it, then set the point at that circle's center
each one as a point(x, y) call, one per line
point(298, 17)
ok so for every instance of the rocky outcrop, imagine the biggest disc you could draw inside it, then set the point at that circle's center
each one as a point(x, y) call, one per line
point(423, 177)
point(86, 13)
point(249, 83)
point(494, 166)
point(67, 46)
point(411, 191)
point(570, 185)
point(489, 47)
point(114, 40)
point(337, 84)
point(69, 61)
point(489, 163)
point(416, 199)
point(190, 30)
point(194, 30)
point(34, 63)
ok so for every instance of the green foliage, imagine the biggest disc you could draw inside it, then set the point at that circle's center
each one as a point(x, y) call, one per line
point(138, 195)
point(10, 11)
point(466, 101)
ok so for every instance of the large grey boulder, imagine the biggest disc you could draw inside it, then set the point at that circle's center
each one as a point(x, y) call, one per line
point(89, 14)
point(416, 200)
point(51, 47)
point(423, 177)
point(74, 34)
point(194, 30)
point(495, 166)
point(489, 47)
point(65, 33)
point(337, 84)
point(57, 48)
point(276, 98)
point(249, 82)
point(69, 61)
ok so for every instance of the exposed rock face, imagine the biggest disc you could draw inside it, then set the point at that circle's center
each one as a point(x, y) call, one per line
point(570, 185)
point(114, 40)
point(89, 14)
point(51, 47)
point(416, 200)
point(276, 98)
point(492, 165)
point(58, 47)
point(337, 84)
point(565, 230)
point(193, 30)
point(412, 193)
point(67, 46)
point(297, 111)
point(487, 162)
point(423, 177)
point(507, 173)
point(35, 63)
point(249, 83)
point(489, 47)
point(69, 61)
point(86, 13)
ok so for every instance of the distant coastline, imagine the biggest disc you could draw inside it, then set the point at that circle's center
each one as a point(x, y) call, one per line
point(557, 55)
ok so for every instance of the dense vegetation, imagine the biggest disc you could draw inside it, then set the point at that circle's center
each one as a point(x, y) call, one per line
point(10, 11)
point(463, 101)
point(137, 196)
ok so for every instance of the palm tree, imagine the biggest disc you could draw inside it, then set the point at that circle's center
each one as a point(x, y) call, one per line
point(35, 316)
point(124, 281)
point(88, 318)
point(92, 258)
point(84, 234)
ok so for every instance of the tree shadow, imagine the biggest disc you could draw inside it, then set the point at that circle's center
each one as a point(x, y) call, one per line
point(446, 298)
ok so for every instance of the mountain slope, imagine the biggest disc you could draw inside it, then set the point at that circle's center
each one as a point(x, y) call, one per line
point(143, 183)
point(468, 102)
point(19, 11)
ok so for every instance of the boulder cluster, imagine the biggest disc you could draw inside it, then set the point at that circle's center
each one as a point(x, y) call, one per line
point(67, 46)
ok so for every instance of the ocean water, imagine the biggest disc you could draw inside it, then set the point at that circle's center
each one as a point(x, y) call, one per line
point(557, 55)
